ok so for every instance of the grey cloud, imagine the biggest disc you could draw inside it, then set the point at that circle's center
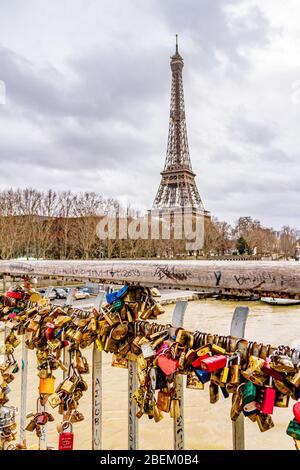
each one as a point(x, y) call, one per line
point(251, 132)
point(207, 23)
point(222, 154)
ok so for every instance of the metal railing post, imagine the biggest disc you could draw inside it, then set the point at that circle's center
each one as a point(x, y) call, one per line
point(133, 427)
point(97, 387)
point(24, 372)
point(178, 423)
point(237, 329)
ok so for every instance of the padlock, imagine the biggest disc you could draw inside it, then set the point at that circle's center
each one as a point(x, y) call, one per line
point(281, 400)
point(202, 375)
point(49, 332)
point(31, 426)
point(249, 392)
point(197, 362)
point(175, 408)
point(267, 400)
point(237, 403)
point(293, 429)
point(111, 345)
point(167, 365)
point(42, 419)
point(213, 393)
point(255, 374)
point(213, 363)
point(157, 414)
point(46, 386)
point(282, 363)
point(158, 309)
point(147, 350)
point(296, 411)
point(267, 369)
point(192, 380)
point(68, 386)
point(264, 422)
point(163, 401)
point(225, 372)
point(235, 369)
point(295, 379)
point(77, 337)
point(283, 387)
point(185, 338)
point(297, 444)
point(66, 437)
point(203, 350)
point(250, 409)
point(218, 349)
point(99, 344)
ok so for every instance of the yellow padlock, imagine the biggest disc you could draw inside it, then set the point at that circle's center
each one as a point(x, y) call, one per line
point(46, 386)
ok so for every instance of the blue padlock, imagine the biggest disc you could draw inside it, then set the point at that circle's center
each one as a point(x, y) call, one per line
point(59, 333)
point(111, 297)
point(122, 291)
point(202, 375)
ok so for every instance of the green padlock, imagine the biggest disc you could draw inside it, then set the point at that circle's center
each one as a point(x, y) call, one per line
point(116, 306)
point(293, 429)
point(249, 392)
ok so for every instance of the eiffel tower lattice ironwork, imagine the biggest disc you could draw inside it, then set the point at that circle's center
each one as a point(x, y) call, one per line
point(178, 188)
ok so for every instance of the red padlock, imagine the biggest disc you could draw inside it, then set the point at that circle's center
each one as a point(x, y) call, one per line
point(296, 411)
point(42, 419)
point(66, 436)
point(197, 362)
point(212, 363)
point(271, 372)
point(267, 402)
point(49, 333)
point(14, 294)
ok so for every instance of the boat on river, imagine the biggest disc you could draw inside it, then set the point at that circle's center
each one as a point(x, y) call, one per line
point(280, 301)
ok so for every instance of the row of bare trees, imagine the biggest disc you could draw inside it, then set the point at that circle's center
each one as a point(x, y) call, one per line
point(62, 225)
point(249, 237)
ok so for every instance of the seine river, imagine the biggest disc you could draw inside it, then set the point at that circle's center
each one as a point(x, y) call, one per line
point(207, 426)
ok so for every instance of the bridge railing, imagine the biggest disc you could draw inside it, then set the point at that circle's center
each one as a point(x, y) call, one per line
point(236, 331)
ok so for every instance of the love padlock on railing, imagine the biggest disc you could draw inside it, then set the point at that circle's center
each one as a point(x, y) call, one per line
point(66, 436)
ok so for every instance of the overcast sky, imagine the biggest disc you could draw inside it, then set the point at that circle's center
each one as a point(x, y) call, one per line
point(88, 90)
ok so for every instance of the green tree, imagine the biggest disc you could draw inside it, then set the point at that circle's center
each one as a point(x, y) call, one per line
point(242, 246)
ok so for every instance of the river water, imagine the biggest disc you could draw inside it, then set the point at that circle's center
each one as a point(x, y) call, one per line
point(207, 426)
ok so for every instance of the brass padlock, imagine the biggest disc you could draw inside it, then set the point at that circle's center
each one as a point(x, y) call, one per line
point(157, 414)
point(164, 401)
point(193, 382)
point(281, 400)
point(68, 386)
point(158, 309)
point(213, 393)
point(14, 340)
point(31, 425)
point(93, 324)
point(77, 336)
point(265, 422)
point(295, 379)
point(235, 369)
point(175, 408)
point(218, 349)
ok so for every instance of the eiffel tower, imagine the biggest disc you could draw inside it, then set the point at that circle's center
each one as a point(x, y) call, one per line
point(178, 189)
